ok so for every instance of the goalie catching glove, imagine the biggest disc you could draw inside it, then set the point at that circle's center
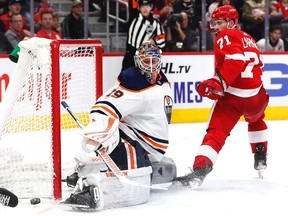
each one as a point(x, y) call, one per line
point(211, 88)
point(101, 133)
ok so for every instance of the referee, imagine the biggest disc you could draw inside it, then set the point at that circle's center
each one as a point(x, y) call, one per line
point(144, 27)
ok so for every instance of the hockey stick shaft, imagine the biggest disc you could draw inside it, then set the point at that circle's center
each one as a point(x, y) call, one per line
point(221, 80)
point(65, 105)
point(107, 159)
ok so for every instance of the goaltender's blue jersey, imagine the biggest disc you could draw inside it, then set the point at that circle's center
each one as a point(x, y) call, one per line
point(144, 109)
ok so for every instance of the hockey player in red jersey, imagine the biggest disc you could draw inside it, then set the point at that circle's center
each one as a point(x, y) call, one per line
point(238, 91)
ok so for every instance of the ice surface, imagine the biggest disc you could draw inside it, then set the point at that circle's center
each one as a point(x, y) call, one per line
point(231, 189)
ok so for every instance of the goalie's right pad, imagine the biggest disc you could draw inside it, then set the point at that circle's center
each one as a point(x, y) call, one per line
point(102, 132)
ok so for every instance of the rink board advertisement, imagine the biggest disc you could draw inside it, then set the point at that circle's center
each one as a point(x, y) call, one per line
point(185, 71)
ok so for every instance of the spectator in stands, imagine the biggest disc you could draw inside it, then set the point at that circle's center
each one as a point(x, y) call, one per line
point(254, 15)
point(184, 5)
point(275, 43)
point(42, 6)
point(143, 27)
point(179, 35)
point(15, 7)
point(16, 32)
point(56, 24)
point(46, 27)
point(282, 7)
point(73, 24)
point(188, 6)
point(162, 9)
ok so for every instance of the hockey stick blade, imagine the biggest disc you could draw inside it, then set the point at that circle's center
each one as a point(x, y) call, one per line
point(137, 184)
point(7, 198)
point(108, 160)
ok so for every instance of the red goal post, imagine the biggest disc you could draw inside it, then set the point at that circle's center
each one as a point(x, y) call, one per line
point(38, 138)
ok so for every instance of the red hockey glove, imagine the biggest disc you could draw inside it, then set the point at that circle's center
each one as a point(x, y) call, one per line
point(210, 88)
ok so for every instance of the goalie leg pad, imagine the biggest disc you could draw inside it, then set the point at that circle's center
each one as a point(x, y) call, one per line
point(164, 171)
point(113, 193)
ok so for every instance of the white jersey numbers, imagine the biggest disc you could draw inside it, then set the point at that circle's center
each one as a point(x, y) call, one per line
point(223, 41)
point(252, 60)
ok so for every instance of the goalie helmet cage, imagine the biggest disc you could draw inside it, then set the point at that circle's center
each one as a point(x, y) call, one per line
point(38, 138)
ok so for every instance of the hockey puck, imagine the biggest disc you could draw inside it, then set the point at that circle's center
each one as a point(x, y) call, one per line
point(35, 201)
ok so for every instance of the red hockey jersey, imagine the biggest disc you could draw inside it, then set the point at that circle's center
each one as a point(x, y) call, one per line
point(239, 62)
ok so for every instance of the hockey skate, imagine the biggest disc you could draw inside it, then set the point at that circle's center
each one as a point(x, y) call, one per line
point(89, 199)
point(192, 180)
point(260, 159)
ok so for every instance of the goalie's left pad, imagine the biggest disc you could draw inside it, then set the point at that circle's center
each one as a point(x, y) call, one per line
point(102, 132)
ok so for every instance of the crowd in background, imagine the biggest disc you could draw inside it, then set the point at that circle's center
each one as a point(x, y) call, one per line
point(181, 20)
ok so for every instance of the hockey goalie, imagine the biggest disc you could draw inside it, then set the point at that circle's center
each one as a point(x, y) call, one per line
point(130, 123)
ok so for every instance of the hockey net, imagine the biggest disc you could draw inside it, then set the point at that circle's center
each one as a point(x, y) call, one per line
point(38, 138)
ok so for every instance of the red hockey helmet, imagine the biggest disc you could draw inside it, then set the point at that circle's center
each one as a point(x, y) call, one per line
point(226, 12)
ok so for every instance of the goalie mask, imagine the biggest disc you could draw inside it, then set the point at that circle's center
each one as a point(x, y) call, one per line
point(148, 59)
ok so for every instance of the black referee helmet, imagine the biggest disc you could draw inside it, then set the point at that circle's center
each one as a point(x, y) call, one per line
point(145, 2)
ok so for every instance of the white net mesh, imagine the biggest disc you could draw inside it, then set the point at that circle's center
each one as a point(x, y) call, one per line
point(26, 154)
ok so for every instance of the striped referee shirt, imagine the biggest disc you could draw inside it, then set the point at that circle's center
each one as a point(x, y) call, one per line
point(143, 29)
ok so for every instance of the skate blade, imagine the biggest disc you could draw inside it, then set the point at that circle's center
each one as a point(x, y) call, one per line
point(260, 174)
point(178, 185)
point(195, 184)
point(260, 169)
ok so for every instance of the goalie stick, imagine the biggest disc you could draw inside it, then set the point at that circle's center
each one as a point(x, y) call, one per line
point(7, 198)
point(108, 160)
